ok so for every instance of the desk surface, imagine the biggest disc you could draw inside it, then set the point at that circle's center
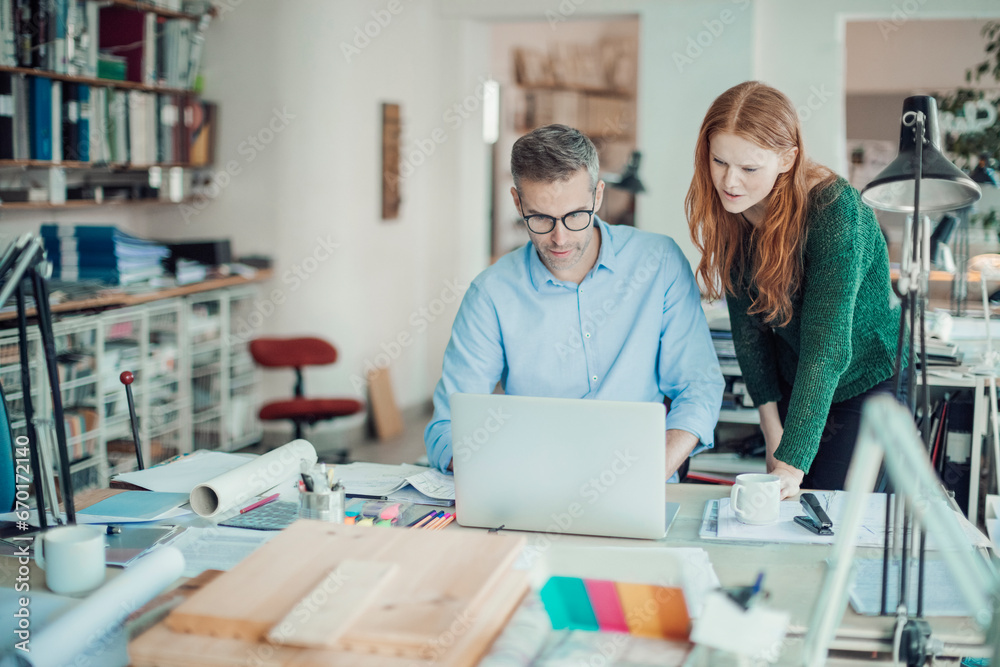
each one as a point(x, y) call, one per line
point(793, 577)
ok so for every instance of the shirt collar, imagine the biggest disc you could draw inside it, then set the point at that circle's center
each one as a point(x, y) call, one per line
point(540, 274)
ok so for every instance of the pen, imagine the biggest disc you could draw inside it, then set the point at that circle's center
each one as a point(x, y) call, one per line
point(437, 522)
point(257, 504)
point(447, 519)
point(414, 523)
point(307, 480)
point(428, 519)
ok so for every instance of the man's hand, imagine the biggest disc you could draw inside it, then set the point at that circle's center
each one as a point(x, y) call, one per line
point(790, 476)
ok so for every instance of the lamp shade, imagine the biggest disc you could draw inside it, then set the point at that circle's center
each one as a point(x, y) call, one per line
point(629, 179)
point(943, 186)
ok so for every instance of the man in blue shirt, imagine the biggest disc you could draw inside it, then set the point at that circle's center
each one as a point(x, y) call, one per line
point(584, 310)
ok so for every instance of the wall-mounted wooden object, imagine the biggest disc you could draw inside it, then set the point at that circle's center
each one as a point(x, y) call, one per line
point(391, 130)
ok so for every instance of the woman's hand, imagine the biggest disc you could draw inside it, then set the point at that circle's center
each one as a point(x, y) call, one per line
point(790, 476)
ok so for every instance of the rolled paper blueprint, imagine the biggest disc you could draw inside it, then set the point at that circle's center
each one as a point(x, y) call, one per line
point(97, 620)
point(234, 488)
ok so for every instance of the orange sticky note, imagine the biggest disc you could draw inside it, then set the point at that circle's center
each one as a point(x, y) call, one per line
point(642, 613)
point(674, 620)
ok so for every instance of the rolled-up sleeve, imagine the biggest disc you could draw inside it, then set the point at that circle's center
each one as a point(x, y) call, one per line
point(473, 363)
point(688, 367)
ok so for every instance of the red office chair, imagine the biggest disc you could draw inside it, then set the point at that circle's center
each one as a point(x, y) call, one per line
point(296, 353)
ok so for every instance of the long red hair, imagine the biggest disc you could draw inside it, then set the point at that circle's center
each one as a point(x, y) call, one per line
point(762, 115)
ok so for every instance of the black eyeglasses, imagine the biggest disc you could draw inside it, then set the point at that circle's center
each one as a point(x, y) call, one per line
point(576, 221)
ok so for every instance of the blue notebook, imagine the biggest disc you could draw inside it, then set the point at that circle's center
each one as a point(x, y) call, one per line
point(141, 505)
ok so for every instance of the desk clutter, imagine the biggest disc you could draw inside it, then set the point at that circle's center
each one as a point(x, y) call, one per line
point(347, 595)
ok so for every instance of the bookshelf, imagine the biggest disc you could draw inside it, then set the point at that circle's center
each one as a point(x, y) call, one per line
point(99, 102)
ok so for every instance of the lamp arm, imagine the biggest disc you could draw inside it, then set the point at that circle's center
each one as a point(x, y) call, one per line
point(887, 431)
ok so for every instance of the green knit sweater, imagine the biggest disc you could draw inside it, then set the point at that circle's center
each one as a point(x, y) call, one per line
point(842, 338)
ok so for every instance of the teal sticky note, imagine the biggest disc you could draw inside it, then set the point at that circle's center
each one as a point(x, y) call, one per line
point(568, 605)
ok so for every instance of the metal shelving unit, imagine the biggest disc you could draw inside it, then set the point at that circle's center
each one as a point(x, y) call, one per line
point(195, 384)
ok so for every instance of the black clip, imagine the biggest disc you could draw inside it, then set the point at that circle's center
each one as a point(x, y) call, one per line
point(817, 520)
point(497, 529)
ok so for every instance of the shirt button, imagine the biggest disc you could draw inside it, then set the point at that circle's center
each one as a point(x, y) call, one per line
point(586, 335)
point(594, 378)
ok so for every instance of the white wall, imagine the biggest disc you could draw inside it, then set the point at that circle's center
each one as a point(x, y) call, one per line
point(796, 46)
point(318, 180)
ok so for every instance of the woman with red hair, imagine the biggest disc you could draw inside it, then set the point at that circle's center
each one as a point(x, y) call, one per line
point(805, 272)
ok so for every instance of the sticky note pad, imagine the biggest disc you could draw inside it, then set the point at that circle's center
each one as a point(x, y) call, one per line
point(642, 612)
point(674, 620)
point(567, 604)
point(607, 607)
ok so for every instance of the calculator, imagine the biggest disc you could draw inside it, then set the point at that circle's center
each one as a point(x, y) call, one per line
point(272, 516)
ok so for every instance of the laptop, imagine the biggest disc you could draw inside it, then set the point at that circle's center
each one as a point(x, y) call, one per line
point(560, 465)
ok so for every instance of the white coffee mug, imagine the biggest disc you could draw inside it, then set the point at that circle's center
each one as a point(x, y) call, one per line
point(72, 557)
point(756, 499)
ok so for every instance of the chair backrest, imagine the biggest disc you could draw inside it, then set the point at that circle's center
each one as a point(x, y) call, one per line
point(292, 352)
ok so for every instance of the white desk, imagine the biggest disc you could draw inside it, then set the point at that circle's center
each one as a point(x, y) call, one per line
point(793, 577)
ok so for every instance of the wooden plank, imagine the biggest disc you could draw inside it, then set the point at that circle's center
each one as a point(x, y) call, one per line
point(327, 611)
point(463, 647)
point(385, 412)
point(444, 576)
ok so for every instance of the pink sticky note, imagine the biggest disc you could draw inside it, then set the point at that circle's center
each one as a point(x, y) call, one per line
point(607, 606)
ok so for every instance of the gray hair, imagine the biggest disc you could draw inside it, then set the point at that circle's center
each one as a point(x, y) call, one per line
point(553, 153)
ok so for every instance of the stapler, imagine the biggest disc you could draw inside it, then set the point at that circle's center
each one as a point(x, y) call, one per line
point(816, 520)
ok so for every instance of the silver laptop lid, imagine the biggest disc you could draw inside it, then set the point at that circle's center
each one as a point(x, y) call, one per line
point(559, 465)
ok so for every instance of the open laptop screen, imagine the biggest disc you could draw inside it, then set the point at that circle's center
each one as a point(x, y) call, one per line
point(559, 465)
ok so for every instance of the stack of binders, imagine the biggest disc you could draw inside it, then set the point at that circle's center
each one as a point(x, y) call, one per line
point(102, 252)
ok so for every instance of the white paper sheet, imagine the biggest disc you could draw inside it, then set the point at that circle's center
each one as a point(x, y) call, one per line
point(434, 483)
point(185, 473)
point(218, 547)
point(871, 533)
point(941, 595)
point(234, 488)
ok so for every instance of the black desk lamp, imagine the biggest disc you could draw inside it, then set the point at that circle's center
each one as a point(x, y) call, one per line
point(24, 262)
point(920, 180)
point(629, 181)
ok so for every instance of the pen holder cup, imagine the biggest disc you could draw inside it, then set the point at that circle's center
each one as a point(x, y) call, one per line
point(323, 506)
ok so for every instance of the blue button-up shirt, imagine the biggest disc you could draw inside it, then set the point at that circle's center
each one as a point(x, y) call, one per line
point(633, 330)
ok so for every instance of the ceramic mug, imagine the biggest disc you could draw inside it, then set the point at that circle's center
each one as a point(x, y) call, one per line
point(756, 498)
point(72, 557)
